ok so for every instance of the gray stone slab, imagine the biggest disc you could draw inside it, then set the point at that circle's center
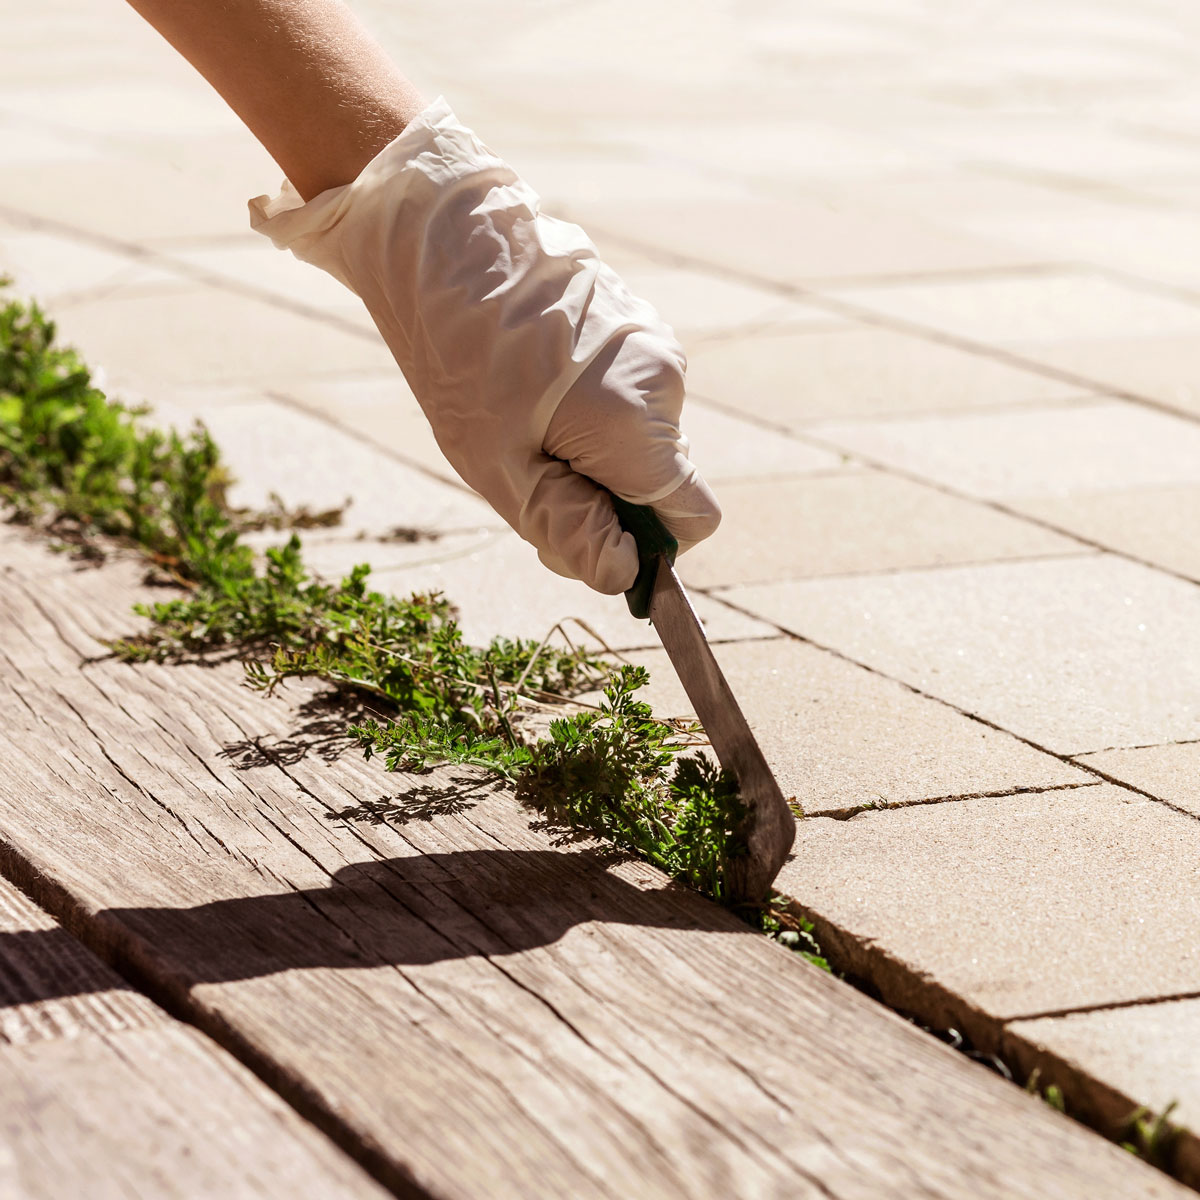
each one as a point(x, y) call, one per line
point(258, 264)
point(379, 408)
point(854, 521)
point(1155, 524)
point(1019, 905)
point(1043, 307)
point(159, 339)
point(50, 268)
point(789, 379)
point(1142, 1051)
point(759, 235)
point(727, 448)
point(269, 448)
point(501, 589)
point(698, 304)
point(1165, 368)
point(1170, 772)
point(839, 737)
point(150, 188)
point(383, 409)
point(1054, 451)
point(1076, 654)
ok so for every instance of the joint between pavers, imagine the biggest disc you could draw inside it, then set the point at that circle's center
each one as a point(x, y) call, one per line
point(1102, 1006)
point(847, 814)
point(869, 317)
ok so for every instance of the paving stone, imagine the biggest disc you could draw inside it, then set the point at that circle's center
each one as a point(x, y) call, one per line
point(839, 737)
point(795, 239)
point(261, 266)
point(24, 145)
point(695, 303)
point(269, 448)
point(1158, 245)
point(792, 378)
point(1019, 905)
point(1155, 524)
point(1056, 144)
point(814, 148)
point(133, 107)
point(379, 408)
point(1136, 1050)
point(50, 268)
point(1040, 307)
point(503, 590)
point(1164, 368)
point(1170, 772)
point(1033, 452)
point(727, 448)
point(853, 521)
point(181, 337)
point(153, 189)
point(1076, 654)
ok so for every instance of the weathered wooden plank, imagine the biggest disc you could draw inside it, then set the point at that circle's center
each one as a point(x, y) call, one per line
point(103, 1095)
point(473, 1009)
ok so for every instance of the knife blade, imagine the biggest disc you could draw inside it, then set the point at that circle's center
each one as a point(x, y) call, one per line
point(769, 827)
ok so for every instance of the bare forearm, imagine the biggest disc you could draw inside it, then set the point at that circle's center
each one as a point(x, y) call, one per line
point(304, 75)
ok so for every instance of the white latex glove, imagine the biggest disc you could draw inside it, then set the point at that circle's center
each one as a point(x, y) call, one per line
point(537, 368)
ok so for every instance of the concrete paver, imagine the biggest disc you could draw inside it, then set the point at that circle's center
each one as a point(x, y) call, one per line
point(1040, 307)
point(852, 521)
point(501, 589)
point(839, 737)
point(1154, 524)
point(1161, 368)
point(974, 892)
point(758, 238)
point(1136, 1050)
point(1077, 654)
point(140, 339)
point(188, 190)
point(1170, 772)
point(270, 448)
point(1035, 452)
point(788, 379)
point(54, 269)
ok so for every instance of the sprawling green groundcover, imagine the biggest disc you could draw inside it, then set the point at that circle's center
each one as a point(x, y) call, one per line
point(91, 472)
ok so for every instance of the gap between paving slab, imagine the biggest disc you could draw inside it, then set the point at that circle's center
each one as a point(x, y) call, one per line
point(867, 316)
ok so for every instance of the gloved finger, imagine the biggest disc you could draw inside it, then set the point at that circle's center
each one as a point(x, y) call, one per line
point(691, 512)
point(572, 523)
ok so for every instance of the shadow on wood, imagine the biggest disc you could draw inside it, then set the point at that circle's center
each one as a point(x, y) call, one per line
point(400, 912)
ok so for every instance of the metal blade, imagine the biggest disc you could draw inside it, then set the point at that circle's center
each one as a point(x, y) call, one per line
point(770, 827)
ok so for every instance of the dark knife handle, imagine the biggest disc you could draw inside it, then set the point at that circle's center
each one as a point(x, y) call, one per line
point(654, 542)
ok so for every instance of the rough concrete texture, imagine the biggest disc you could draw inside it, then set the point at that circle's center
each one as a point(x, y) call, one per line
point(788, 379)
point(854, 521)
point(501, 588)
point(1153, 524)
point(1076, 654)
point(1096, 885)
point(1142, 1051)
point(1040, 307)
point(1170, 772)
point(839, 737)
point(1034, 452)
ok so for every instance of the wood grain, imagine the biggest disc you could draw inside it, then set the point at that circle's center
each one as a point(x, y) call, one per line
point(103, 1095)
point(469, 1008)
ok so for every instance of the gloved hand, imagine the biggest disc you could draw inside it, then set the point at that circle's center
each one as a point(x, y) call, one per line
point(537, 368)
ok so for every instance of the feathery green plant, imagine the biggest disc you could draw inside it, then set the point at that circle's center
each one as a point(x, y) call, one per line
point(85, 468)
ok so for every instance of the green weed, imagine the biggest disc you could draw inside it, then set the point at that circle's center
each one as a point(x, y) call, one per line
point(85, 468)
point(1151, 1136)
